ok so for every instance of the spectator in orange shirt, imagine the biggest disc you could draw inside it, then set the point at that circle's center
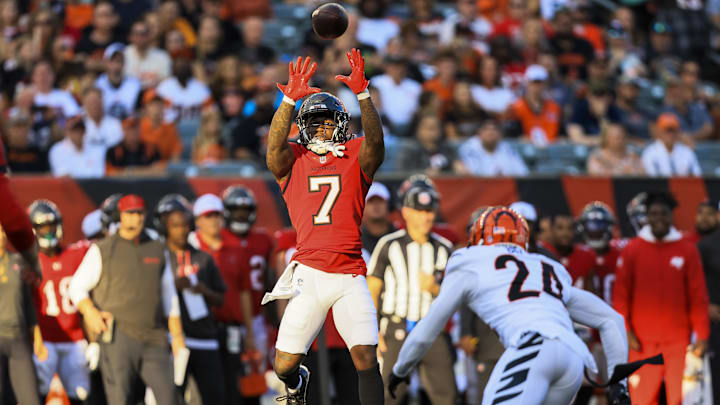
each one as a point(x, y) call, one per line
point(538, 116)
point(169, 18)
point(155, 131)
point(443, 84)
point(132, 156)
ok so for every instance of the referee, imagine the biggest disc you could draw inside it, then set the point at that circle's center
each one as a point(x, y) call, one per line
point(405, 269)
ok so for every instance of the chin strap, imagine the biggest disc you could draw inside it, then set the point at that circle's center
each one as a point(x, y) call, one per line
point(323, 147)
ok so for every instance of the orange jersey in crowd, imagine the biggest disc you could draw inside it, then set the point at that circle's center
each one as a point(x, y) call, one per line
point(58, 319)
point(258, 246)
point(660, 290)
point(539, 126)
point(325, 196)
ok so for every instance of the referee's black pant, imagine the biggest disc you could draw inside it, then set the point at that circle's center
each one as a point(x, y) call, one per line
point(436, 367)
point(123, 360)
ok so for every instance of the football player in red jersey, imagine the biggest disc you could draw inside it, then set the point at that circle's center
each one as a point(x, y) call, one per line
point(63, 344)
point(240, 214)
point(324, 177)
point(576, 257)
point(596, 225)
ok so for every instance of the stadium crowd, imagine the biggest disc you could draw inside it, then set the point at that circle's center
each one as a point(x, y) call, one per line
point(487, 87)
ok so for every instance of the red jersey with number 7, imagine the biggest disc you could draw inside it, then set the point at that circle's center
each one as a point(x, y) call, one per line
point(58, 319)
point(325, 196)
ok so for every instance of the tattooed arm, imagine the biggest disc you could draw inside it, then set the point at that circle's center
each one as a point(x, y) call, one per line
point(280, 156)
point(372, 151)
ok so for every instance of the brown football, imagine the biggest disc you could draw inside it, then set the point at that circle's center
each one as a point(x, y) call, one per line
point(330, 20)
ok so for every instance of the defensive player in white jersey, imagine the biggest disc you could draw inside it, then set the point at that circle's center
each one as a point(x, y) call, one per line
point(529, 300)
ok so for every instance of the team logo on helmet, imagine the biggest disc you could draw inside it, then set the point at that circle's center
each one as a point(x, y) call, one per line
point(500, 225)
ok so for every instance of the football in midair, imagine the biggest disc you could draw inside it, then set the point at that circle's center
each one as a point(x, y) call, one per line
point(330, 20)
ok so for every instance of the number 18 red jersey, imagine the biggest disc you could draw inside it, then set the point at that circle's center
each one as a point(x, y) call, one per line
point(325, 196)
point(58, 318)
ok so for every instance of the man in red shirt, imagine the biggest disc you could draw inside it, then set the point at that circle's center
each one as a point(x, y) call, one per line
point(324, 177)
point(14, 220)
point(576, 257)
point(660, 290)
point(62, 350)
point(236, 311)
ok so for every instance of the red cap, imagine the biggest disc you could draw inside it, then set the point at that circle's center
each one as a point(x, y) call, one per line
point(131, 202)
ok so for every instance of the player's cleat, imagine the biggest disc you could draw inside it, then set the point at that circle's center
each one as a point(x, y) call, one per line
point(299, 396)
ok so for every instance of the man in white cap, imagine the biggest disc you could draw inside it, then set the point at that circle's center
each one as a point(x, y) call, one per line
point(92, 225)
point(120, 92)
point(236, 312)
point(539, 116)
point(376, 223)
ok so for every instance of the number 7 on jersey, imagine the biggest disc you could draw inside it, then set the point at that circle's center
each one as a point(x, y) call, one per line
point(323, 216)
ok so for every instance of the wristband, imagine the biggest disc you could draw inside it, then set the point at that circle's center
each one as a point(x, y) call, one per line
point(363, 95)
point(288, 100)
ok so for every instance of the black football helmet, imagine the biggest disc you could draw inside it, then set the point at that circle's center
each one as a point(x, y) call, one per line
point(416, 180)
point(235, 197)
point(45, 212)
point(109, 213)
point(637, 211)
point(322, 104)
point(596, 225)
point(168, 204)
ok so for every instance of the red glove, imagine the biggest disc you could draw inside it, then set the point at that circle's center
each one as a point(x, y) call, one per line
point(298, 79)
point(356, 81)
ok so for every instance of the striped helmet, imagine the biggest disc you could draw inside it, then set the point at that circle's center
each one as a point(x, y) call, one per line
point(500, 225)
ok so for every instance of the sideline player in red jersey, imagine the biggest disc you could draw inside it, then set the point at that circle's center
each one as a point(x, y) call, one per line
point(240, 214)
point(14, 219)
point(576, 257)
point(63, 346)
point(324, 177)
point(595, 226)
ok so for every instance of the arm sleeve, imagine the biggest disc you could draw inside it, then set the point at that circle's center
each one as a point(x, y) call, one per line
point(589, 310)
point(418, 342)
point(14, 219)
point(379, 260)
point(86, 276)
point(696, 290)
point(622, 289)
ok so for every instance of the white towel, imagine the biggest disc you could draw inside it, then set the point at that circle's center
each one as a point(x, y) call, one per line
point(284, 288)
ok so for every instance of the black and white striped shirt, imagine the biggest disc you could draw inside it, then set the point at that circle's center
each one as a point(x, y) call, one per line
point(398, 260)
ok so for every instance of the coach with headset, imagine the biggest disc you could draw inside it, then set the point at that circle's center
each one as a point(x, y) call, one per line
point(199, 286)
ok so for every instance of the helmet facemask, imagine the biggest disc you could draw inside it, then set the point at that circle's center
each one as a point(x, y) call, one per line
point(308, 128)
